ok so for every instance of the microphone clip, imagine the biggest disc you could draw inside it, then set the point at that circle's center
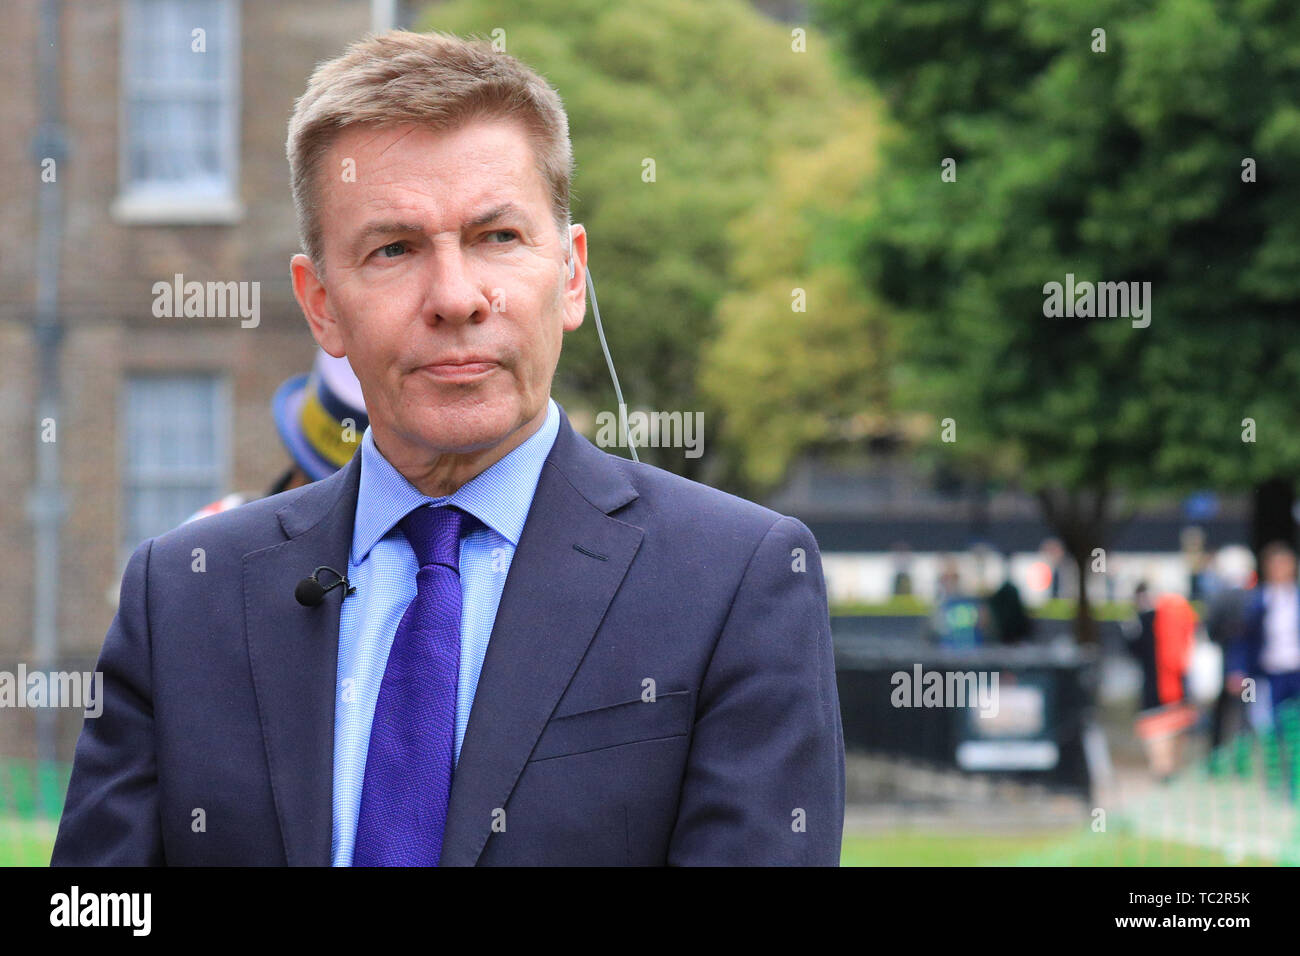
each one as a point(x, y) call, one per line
point(310, 592)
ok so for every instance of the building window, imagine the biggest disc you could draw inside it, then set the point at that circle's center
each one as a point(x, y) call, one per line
point(179, 111)
point(176, 453)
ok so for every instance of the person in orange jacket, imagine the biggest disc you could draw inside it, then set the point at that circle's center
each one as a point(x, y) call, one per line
point(1175, 628)
point(1162, 728)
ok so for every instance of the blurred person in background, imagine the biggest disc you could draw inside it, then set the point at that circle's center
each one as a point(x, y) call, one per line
point(1009, 622)
point(1225, 620)
point(1162, 639)
point(321, 417)
point(1175, 631)
point(1054, 555)
point(960, 620)
point(1140, 636)
point(1191, 542)
point(901, 557)
point(1269, 647)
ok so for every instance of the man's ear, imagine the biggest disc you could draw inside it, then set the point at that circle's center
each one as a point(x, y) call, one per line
point(312, 298)
point(575, 288)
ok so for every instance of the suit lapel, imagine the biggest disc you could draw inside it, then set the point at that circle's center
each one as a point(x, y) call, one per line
point(293, 652)
point(554, 600)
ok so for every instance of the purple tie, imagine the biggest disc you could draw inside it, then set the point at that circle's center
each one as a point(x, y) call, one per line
point(413, 737)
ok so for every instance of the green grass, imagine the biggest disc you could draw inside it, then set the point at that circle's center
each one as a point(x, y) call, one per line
point(1063, 609)
point(29, 842)
point(903, 606)
point(31, 799)
point(925, 848)
point(1067, 848)
point(26, 842)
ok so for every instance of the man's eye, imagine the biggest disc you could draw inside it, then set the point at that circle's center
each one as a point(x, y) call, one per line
point(388, 251)
point(504, 232)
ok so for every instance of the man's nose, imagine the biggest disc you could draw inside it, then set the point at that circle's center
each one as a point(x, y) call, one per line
point(453, 292)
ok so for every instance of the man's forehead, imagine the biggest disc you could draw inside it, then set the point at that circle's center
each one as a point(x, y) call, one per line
point(498, 142)
point(475, 192)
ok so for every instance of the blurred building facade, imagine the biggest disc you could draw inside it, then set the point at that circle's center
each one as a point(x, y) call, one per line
point(174, 167)
point(876, 515)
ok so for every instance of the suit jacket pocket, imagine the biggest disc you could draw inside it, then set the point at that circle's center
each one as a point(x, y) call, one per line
point(669, 715)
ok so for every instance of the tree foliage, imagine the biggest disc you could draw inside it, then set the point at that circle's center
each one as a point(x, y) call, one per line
point(1124, 164)
point(801, 360)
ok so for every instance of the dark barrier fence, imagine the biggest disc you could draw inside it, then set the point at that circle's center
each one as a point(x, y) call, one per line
point(1018, 712)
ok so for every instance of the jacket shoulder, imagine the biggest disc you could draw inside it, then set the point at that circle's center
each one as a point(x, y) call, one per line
point(252, 525)
point(691, 508)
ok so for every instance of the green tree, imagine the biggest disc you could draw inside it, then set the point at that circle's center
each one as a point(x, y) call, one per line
point(800, 364)
point(1122, 163)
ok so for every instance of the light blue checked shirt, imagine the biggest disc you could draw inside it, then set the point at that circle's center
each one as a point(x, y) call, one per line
point(382, 566)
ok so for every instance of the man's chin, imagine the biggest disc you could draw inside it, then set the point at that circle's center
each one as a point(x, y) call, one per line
point(467, 431)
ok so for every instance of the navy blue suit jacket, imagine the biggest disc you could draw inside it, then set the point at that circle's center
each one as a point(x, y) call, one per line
point(215, 745)
point(1244, 654)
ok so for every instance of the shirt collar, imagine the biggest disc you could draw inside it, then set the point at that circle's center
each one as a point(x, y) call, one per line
point(500, 496)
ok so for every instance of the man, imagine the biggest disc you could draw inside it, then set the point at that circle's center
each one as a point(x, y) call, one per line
point(1269, 648)
point(1140, 634)
point(320, 418)
point(1010, 622)
point(542, 654)
point(1224, 622)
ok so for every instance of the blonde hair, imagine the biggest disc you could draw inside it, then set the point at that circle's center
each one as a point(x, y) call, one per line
point(434, 80)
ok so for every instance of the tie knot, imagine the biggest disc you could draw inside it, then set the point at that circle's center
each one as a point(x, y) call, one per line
point(435, 533)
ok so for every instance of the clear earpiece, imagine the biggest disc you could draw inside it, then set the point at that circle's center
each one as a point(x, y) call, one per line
point(600, 333)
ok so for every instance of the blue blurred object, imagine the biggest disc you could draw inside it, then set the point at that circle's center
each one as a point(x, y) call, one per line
point(1201, 506)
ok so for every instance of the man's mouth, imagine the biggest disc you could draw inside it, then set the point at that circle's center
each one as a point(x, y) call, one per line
point(460, 370)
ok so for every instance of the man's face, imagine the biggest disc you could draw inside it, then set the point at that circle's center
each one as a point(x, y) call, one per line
point(452, 321)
